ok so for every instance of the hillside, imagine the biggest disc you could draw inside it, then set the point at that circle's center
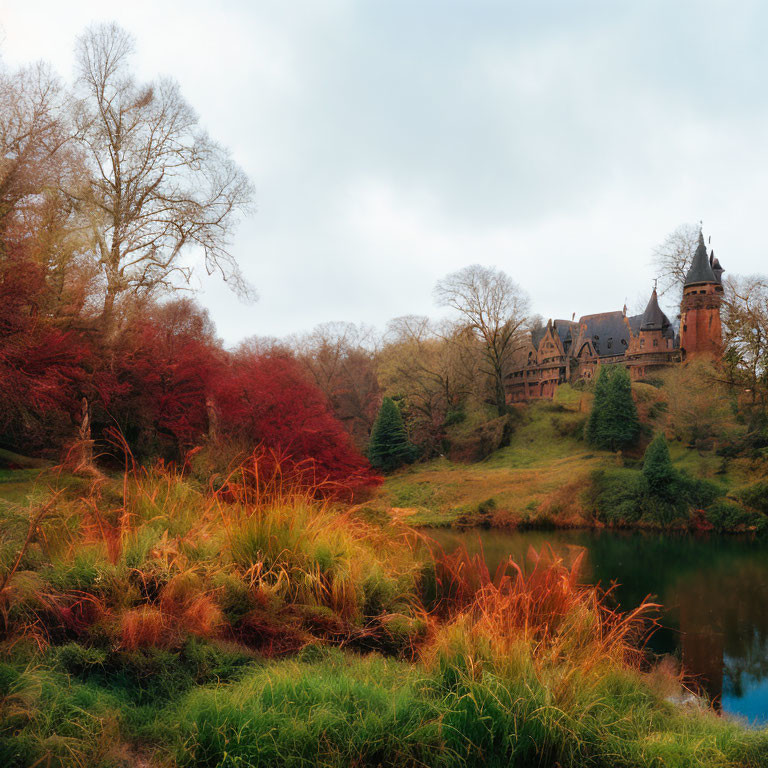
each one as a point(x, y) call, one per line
point(542, 476)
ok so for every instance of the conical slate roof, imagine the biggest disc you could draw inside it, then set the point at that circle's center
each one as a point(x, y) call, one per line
point(701, 269)
point(653, 318)
point(716, 268)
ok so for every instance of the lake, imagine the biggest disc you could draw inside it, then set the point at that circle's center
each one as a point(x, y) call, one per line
point(714, 591)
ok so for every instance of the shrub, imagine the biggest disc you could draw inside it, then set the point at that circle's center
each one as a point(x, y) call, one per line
point(658, 471)
point(755, 496)
point(570, 425)
point(616, 495)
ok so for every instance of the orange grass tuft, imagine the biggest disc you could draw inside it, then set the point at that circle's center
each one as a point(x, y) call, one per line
point(546, 607)
point(143, 627)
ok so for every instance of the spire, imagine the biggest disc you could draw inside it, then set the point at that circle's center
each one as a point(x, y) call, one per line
point(653, 318)
point(716, 268)
point(701, 269)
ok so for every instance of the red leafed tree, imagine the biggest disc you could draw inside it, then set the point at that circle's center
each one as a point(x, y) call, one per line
point(266, 400)
point(42, 369)
point(153, 385)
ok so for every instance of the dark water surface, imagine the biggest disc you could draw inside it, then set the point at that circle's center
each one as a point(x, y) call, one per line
point(714, 591)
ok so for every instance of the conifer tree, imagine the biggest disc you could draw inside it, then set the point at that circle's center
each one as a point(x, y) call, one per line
point(658, 470)
point(389, 447)
point(621, 424)
point(613, 422)
point(595, 423)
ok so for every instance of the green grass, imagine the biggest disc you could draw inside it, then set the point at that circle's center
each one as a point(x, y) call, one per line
point(528, 475)
point(540, 478)
point(337, 709)
point(162, 629)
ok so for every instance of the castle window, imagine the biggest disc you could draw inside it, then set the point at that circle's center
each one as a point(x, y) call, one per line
point(610, 343)
point(655, 342)
point(642, 342)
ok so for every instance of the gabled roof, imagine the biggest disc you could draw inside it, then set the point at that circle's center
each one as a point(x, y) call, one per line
point(565, 329)
point(701, 269)
point(609, 332)
point(537, 334)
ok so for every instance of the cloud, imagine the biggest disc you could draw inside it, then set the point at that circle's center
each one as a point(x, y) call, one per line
point(391, 143)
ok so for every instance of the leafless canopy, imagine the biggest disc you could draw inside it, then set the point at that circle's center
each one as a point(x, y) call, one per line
point(495, 309)
point(746, 330)
point(672, 259)
point(159, 185)
point(32, 135)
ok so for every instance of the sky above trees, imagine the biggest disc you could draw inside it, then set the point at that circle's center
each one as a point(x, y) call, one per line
point(392, 143)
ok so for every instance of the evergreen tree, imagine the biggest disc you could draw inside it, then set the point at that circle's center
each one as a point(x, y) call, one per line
point(595, 423)
point(613, 422)
point(389, 447)
point(658, 470)
point(621, 424)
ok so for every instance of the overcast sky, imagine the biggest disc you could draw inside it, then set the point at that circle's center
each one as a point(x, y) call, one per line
point(393, 141)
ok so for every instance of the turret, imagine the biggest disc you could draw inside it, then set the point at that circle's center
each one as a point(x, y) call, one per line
point(716, 268)
point(700, 328)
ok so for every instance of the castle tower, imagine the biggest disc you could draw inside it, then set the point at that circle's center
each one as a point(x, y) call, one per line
point(700, 329)
point(652, 345)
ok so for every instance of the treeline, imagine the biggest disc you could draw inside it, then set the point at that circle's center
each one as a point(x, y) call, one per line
point(109, 191)
point(111, 194)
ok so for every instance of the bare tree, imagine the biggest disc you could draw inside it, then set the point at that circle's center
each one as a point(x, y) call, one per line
point(33, 133)
point(746, 331)
point(159, 186)
point(341, 358)
point(431, 366)
point(672, 259)
point(495, 309)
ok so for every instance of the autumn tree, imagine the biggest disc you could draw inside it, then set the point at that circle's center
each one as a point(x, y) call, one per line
point(698, 406)
point(268, 401)
point(495, 310)
point(33, 135)
point(155, 388)
point(431, 367)
point(745, 322)
point(158, 187)
point(341, 359)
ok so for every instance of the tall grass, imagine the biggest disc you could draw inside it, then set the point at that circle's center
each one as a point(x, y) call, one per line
point(151, 615)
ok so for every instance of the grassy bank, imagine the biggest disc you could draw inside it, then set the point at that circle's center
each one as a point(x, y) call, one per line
point(549, 477)
point(148, 621)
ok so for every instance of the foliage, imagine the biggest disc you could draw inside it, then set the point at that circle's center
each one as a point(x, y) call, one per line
point(698, 409)
point(726, 516)
point(494, 310)
point(755, 496)
point(389, 447)
point(613, 421)
point(659, 474)
point(42, 368)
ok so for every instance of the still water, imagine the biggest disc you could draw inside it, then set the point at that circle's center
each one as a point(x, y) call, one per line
point(714, 591)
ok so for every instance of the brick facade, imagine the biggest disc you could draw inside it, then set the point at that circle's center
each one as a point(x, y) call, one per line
point(567, 351)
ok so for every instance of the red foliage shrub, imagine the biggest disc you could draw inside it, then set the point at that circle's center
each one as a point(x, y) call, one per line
point(266, 400)
point(153, 384)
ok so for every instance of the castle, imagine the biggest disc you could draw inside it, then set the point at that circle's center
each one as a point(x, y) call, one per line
point(566, 351)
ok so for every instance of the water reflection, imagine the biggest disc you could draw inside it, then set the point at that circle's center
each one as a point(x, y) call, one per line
point(714, 592)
